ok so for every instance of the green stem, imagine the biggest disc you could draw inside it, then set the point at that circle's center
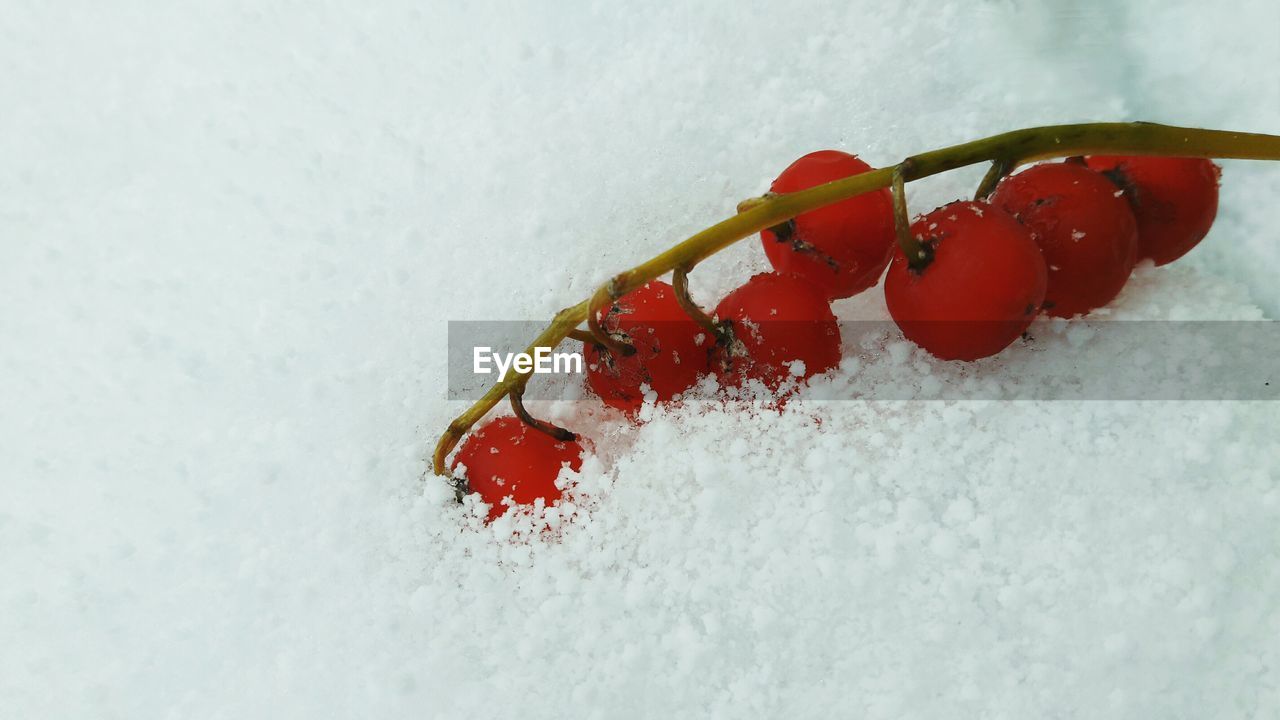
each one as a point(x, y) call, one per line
point(598, 306)
point(584, 337)
point(918, 254)
point(999, 168)
point(516, 395)
point(1050, 141)
point(680, 283)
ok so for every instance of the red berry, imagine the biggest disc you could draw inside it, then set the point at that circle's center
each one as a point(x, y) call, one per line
point(782, 327)
point(1174, 199)
point(980, 292)
point(841, 248)
point(1088, 236)
point(671, 349)
point(507, 458)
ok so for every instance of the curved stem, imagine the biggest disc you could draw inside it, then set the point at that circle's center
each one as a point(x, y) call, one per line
point(680, 283)
point(600, 303)
point(517, 406)
point(583, 336)
point(564, 321)
point(1038, 143)
point(999, 168)
point(918, 254)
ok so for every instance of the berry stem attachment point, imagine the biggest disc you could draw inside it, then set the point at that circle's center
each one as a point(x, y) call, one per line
point(680, 283)
point(999, 168)
point(517, 406)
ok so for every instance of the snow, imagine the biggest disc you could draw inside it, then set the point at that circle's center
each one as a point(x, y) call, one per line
point(231, 236)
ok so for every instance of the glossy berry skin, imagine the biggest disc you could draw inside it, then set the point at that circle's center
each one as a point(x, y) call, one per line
point(1174, 200)
point(841, 248)
point(507, 458)
point(671, 349)
point(980, 292)
point(783, 328)
point(1087, 234)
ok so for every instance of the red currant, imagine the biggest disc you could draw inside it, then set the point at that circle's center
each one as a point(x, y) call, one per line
point(841, 248)
point(505, 458)
point(1174, 199)
point(980, 292)
point(1088, 236)
point(782, 328)
point(671, 349)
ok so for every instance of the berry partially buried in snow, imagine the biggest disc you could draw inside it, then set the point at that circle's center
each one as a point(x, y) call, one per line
point(779, 328)
point(671, 350)
point(509, 464)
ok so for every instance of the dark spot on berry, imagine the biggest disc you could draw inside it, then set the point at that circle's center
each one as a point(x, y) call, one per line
point(1047, 305)
point(928, 249)
point(785, 232)
point(460, 488)
point(1030, 309)
point(1120, 179)
point(607, 357)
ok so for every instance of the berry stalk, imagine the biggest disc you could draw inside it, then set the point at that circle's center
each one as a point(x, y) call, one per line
point(1005, 151)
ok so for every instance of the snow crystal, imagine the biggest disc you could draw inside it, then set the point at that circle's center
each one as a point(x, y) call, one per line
point(899, 351)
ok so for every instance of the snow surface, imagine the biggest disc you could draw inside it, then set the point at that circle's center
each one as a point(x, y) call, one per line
point(231, 235)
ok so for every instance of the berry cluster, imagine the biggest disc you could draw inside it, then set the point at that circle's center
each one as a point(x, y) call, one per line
point(963, 282)
point(1059, 238)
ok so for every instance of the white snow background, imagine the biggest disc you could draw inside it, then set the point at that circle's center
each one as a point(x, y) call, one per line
point(231, 234)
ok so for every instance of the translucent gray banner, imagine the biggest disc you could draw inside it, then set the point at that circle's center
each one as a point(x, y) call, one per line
point(1055, 360)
